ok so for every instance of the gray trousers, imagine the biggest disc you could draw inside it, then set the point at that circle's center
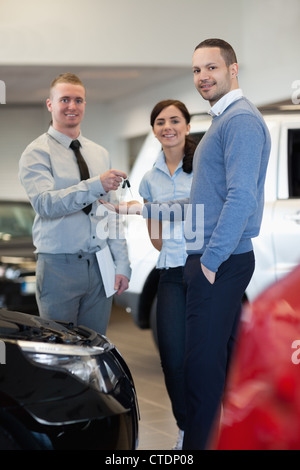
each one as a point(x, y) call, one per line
point(70, 288)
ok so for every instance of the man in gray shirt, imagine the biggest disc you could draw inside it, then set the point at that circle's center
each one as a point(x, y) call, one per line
point(70, 226)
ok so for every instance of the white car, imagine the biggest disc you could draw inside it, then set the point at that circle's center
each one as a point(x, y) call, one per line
point(277, 248)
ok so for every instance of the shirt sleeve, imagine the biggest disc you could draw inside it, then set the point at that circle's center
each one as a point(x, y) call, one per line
point(117, 240)
point(42, 187)
point(144, 188)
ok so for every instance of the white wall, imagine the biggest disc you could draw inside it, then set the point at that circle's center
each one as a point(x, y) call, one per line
point(271, 42)
point(110, 32)
point(264, 33)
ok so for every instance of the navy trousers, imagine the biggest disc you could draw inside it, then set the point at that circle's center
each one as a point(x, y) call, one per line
point(171, 299)
point(213, 313)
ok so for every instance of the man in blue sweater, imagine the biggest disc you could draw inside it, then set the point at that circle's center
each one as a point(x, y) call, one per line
point(229, 169)
point(230, 165)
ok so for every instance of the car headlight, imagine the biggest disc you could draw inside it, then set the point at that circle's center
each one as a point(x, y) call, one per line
point(88, 364)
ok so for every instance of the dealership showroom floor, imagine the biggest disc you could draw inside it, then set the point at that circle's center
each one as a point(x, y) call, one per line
point(158, 429)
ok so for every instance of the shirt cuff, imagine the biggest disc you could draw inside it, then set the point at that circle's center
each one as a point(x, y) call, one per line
point(96, 187)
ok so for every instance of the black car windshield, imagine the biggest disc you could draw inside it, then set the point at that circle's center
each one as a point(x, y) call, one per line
point(16, 219)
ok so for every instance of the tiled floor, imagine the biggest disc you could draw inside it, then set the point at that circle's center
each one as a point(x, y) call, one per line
point(158, 430)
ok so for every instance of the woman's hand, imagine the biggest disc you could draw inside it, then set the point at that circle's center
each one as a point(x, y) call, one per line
point(130, 207)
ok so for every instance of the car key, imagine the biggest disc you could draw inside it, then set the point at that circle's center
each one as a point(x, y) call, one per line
point(126, 183)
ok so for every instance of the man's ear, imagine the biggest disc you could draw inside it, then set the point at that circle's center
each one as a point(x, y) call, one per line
point(49, 105)
point(234, 70)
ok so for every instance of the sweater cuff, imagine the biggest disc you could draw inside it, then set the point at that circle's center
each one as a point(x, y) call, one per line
point(211, 261)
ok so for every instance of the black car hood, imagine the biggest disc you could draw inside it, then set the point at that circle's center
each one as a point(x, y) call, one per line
point(22, 326)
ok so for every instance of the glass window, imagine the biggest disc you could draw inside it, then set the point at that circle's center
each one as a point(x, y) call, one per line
point(294, 162)
point(16, 219)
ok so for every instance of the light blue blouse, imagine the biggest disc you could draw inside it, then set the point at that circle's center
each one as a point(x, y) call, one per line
point(158, 185)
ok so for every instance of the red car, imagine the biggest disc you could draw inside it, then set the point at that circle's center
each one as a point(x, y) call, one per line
point(261, 407)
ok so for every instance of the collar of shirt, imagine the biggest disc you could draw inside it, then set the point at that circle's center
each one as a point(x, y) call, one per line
point(223, 103)
point(161, 163)
point(63, 139)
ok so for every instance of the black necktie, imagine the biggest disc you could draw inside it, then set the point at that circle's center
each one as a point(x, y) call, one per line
point(84, 171)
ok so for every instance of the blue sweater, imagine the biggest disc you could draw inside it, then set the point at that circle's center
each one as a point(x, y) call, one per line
point(229, 168)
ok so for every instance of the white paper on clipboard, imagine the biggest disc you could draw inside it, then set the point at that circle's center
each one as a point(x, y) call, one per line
point(107, 270)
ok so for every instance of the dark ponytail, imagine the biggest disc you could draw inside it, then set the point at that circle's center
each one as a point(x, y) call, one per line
point(189, 149)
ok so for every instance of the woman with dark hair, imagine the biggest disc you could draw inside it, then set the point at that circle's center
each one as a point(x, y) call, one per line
point(170, 179)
